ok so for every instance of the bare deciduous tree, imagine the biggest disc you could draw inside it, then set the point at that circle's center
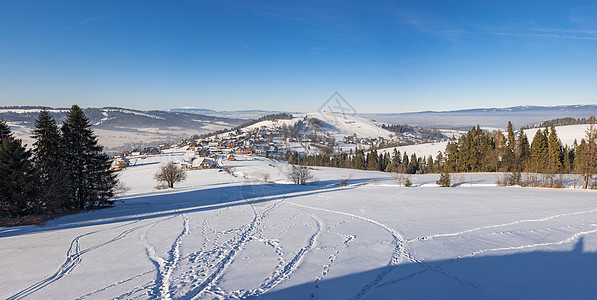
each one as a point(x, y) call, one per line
point(170, 173)
point(300, 174)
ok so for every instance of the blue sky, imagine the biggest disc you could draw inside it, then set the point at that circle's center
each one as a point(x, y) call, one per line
point(382, 56)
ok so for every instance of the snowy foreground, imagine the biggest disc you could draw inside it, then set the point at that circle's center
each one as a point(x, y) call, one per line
point(222, 236)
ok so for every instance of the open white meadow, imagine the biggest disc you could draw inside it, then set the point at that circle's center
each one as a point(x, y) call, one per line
point(251, 233)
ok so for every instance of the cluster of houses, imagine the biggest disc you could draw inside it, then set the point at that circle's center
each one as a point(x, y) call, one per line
point(272, 142)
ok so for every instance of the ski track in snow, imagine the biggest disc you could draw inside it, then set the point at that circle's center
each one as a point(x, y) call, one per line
point(565, 241)
point(398, 255)
point(233, 246)
point(502, 225)
point(167, 266)
point(74, 257)
point(280, 274)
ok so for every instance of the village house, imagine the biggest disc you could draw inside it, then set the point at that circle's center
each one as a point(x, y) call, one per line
point(119, 163)
point(244, 150)
point(197, 163)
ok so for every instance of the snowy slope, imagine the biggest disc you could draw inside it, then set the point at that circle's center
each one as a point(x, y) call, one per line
point(421, 150)
point(351, 124)
point(335, 124)
point(225, 236)
point(567, 134)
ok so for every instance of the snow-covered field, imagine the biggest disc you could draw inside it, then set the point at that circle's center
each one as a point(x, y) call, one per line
point(567, 134)
point(421, 150)
point(219, 235)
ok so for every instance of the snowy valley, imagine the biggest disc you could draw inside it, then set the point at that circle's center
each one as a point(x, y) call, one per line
point(249, 232)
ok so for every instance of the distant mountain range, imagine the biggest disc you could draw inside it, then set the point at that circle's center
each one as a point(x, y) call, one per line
point(122, 128)
point(235, 114)
point(486, 117)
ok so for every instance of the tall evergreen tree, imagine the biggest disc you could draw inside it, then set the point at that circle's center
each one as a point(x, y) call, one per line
point(539, 152)
point(586, 154)
point(523, 152)
point(91, 182)
point(373, 161)
point(509, 158)
point(19, 180)
point(5, 131)
point(405, 162)
point(413, 165)
point(48, 159)
point(554, 155)
point(359, 160)
point(452, 156)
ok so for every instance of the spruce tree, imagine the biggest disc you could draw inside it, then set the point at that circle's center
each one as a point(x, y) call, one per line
point(91, 183)
point(554, 155)
point(405, 162)
point(413, 165)
point(586, 155)
point(509, 158)
point(373, 161)
point(539, 152)
point(452, 157)
point(49, 161)
point(523, 150)
point(5, 131)
point(359, 160)
point(19, 184)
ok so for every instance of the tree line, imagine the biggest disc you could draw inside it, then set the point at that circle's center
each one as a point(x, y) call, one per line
point(482, 151)
point(559, 122)
point(66, 170)
point(371, 160)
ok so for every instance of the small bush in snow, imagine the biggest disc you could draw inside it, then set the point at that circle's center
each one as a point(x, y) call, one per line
point(403, 180)
point(509, 179)
point(345, 180)
point(444, 180)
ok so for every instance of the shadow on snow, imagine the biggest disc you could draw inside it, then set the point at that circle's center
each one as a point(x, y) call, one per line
point(159, 205)
point(530, 275)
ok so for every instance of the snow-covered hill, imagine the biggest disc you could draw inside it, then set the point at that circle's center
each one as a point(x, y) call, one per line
point(334, 124)
point(567, 134)
point(245, 234)
point(121, 128)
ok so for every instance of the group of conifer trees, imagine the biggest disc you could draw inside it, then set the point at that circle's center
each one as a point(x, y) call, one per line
point(65, 170)
point(481, 151)
point(371, 160)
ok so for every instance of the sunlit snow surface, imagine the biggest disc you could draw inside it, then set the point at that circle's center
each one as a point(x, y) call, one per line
point(219, 235)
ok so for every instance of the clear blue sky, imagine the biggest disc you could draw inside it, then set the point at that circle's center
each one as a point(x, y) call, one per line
point(382, 56)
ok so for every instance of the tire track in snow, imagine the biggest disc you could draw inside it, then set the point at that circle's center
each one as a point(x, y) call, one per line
point(502, 225)
point(74, 256)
